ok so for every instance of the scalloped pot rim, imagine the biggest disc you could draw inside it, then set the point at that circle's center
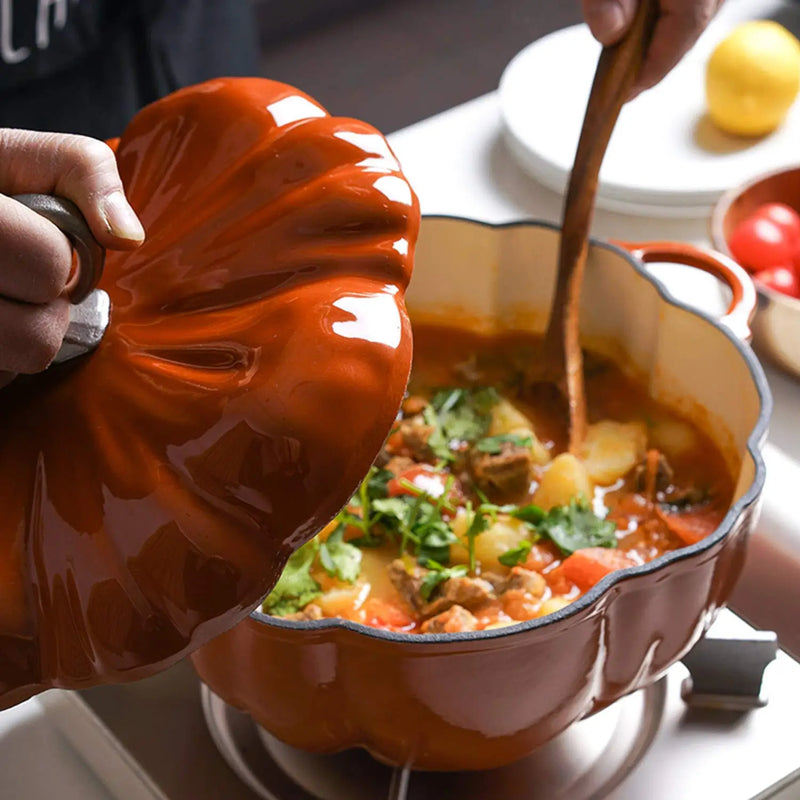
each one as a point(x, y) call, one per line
point(754, 441)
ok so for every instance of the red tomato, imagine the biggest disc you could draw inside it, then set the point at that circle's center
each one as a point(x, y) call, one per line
point(691, 528)
point(758, 243)
point(383, 614)
point(425, 479)
point(587, 567)
point(781, 279)
point(785, 217)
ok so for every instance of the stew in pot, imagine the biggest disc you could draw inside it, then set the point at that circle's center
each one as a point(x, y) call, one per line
point(473, 517)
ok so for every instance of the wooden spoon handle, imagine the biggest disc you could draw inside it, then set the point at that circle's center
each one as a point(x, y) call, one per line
point(616, 74)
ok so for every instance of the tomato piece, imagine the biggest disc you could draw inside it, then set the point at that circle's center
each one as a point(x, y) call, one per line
point(541, 556)
point(388, 616)
point(419, 479)
point(692, 527)
point(781, 279)
point(758, 243)
point(587, 567)
point(785, 217)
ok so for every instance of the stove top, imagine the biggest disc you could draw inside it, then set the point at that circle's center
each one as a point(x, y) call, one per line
point(727, 735)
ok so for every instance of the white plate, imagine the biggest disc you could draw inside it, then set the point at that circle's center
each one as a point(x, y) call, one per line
point(665, 157)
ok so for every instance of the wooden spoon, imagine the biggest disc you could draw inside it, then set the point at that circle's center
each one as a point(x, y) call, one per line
point(616, 74)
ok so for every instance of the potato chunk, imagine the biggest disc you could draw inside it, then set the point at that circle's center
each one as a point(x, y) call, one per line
point(673, 436)
point(612, 449)
point(565, 479)
point(508, 419)
point(504, 534)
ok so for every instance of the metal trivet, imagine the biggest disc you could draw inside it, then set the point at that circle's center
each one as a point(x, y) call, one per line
point(586, 761)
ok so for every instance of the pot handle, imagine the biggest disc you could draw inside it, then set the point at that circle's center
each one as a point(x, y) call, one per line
point(743, 303)
point(66, 216)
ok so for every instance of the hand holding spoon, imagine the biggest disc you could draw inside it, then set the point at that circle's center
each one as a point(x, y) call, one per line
point(616, 75)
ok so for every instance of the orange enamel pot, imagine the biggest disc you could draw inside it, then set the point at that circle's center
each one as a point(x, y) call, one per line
point(483, 699)
point(256, 353)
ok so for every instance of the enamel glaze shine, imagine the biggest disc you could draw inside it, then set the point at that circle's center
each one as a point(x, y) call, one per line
point(257, 354)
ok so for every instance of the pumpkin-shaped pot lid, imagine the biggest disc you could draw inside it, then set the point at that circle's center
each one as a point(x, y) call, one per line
point(256, 356)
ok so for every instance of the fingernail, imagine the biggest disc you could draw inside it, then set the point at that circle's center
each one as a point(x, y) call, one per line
point(609, 20)
point(121, 219)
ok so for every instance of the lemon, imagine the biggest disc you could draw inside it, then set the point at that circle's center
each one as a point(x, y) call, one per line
point(752, 78)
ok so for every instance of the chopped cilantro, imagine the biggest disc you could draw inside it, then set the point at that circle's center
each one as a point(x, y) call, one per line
point(576, 526)
point(437, 440)
point(339, 558)
point(478, 524)
point(516, 555)
point(376, 481)
point(531, 513)
point(418, 524)
point(458, 415)
point(494, 444)
point(438, 574)
point(295, 588)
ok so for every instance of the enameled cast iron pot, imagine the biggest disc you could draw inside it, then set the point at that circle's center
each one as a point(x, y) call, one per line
point(479, 700)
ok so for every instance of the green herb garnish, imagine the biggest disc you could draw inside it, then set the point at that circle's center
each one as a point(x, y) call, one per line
point(532, 514)
point(516, 555)
point(494, 444)
point(576, 526)
point(418, 524)
point(295, 588)
point(438, 574)
point(478, 524)
point(339, 558)
point(458, 415)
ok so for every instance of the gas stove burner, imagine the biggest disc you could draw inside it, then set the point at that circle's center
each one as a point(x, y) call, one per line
point(586, 761)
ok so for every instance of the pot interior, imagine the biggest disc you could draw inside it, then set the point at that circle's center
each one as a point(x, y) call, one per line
point(494, 278)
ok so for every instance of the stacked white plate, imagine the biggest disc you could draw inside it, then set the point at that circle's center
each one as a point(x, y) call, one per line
point(665, 158)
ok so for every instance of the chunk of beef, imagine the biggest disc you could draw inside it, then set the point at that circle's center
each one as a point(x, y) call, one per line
point(414, 404)
point(455, 620)
point(678, 498)
point(523, 580)
point(471, 593)
point(667, 493)
point(507, 472)
point(415, 435)
point(399, 464)
point(663, 474)
point(310, 612)
point(408, 582)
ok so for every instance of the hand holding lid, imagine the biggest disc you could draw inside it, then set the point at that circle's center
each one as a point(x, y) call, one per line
point(256, 354)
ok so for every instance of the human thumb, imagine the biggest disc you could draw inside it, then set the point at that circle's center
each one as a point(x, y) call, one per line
point(608, 19)
point(79, 168)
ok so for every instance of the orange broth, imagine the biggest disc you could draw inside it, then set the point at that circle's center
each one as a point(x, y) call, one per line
point(474, 473)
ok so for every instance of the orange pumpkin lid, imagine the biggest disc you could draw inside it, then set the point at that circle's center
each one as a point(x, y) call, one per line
point(257, 353)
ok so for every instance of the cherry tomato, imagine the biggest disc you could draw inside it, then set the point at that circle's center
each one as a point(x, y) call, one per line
point(781, 279)
point(758, 243)
point(425, 479)
point(785, 217)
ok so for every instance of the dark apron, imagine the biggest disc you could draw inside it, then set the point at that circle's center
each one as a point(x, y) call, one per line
point(86, 66)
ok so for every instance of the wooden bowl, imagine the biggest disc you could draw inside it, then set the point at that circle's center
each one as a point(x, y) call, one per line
point(776, 327)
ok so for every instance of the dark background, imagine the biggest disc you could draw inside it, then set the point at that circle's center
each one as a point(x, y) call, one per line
point(394, 62)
